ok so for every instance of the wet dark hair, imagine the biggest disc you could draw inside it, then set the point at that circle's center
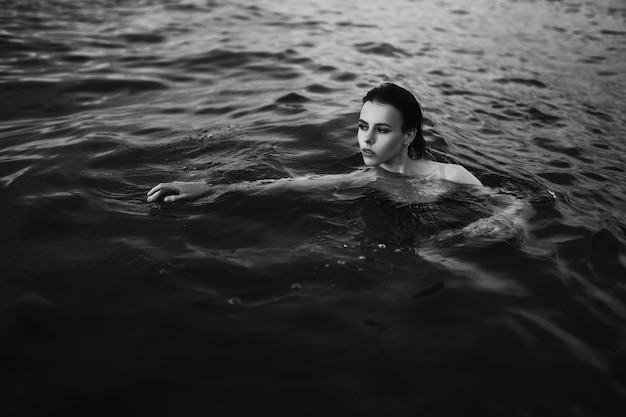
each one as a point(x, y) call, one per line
point(409, 108)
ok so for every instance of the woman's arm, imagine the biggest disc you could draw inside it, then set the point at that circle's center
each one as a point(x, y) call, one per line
point(174, 191)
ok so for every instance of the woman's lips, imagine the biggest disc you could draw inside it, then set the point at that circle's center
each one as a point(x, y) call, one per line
point(368, 152)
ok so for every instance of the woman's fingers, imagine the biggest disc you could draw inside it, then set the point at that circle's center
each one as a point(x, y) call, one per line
point(156, 196)
point(153, 196)
point(174, 191)
point(162, 186)
point(155, 189)
point(160, 190)
point(171, 198)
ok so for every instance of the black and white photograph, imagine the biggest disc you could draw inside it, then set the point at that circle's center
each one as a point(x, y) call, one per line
point(313, 208)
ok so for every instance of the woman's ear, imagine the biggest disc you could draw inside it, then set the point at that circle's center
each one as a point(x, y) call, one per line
point(409, 136)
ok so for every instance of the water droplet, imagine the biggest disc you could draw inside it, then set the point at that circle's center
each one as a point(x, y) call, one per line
point(382, 246)
point(341, 262)
point(296, 286)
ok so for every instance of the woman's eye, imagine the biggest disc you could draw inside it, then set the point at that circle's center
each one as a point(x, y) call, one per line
point(382, 130)
point(363, 127)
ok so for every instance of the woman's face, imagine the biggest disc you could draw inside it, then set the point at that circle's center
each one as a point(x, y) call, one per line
point(380, 134)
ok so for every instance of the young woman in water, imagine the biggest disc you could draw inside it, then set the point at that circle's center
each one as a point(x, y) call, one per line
point(389, 135)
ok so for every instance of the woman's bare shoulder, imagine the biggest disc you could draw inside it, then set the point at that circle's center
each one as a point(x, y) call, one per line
point(459, 174)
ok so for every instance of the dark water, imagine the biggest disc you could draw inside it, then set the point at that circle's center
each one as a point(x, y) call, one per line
point(309, 302)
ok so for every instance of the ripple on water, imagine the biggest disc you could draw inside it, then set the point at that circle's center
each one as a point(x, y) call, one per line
point(559, 163)
point(8, 175)
point(272, 70)
point(559, 178)
point(77, 58)
point(541, 118)
point(556, 146)
point(613, 32)
point(440, 73)
point(345, 76)
point(531, 82)
point(217, 110)
point(292, 98)
point(467, 51)
point(143, 37)
point(592, 59)
point(591, 110)
point(56, 97)
point(382, 49)
point(55, 215)
point(319, 89)
point(108, 85)
point(224, 58)
point(350, 24)
point(599, 250)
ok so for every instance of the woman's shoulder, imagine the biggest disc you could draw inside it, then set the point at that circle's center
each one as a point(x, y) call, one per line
point(459, 174)
point(433, 170)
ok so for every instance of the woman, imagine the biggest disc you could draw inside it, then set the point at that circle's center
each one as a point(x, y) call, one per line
point(389, 135)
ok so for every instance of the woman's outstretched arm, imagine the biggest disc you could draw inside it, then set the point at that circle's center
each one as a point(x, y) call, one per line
point(174, 191)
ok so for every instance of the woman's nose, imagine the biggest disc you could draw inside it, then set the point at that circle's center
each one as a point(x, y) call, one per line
point(369, 137)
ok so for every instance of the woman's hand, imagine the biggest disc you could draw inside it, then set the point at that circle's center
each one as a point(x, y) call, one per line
point(173, 191)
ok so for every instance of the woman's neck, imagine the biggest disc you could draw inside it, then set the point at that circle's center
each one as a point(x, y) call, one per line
point(401, 164)
point(407, 166)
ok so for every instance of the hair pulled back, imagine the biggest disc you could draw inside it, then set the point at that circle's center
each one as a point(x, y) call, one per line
point(409, 108)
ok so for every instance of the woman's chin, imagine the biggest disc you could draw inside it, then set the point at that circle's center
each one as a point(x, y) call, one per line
point(370, 162)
